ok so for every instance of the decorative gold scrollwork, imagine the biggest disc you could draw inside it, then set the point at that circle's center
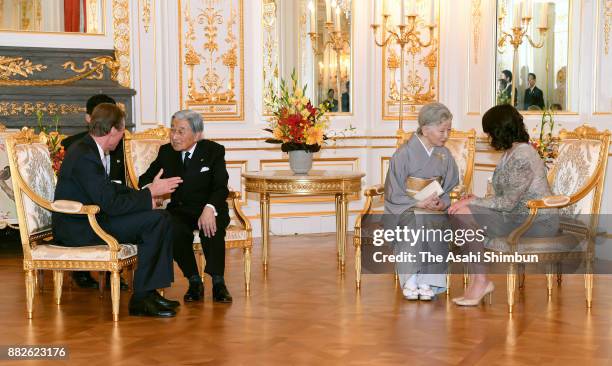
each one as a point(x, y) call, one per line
point(13, 66)
point(91, 69)
point(29, 108)
point(96, 65)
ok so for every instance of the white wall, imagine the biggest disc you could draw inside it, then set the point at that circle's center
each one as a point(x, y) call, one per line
point(465, 86)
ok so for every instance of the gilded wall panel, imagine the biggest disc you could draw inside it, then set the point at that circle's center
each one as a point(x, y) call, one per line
point(211, 69)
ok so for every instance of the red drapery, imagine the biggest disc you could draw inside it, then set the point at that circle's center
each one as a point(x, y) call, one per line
point(72, 15)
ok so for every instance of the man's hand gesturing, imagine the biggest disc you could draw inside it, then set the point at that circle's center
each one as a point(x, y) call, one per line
point(160, 186)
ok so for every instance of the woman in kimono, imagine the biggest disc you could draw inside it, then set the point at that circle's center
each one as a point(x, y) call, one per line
point(520, 176)
point(423, 158)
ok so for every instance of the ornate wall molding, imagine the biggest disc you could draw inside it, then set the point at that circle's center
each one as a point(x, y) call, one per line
point(476, 27)
point(17, 66)
point(270, 52)
point(91, 69)
point(607, 21)
point(30, 108)
point(146, 15)
point(421, 68)
point(211, 69)
point(121, 32)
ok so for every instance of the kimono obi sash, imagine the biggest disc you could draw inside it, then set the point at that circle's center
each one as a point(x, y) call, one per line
point(414, 184)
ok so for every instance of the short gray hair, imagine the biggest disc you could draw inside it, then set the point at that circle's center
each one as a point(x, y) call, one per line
point(194, 118)
point(433, 114)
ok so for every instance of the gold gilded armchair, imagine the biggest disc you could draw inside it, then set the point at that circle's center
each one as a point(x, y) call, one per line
point(577, 182)
point(462, 145)
point(141, 149)
point(34, 185)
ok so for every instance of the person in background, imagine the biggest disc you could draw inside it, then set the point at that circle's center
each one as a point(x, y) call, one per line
point(533, 95)
point(346, 98)
point(422, 157)
point(520, 176)
point(200, 203)
point(125, 213)
point(84, 279)
point(332, 104)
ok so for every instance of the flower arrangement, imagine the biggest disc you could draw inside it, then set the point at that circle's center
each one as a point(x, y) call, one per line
point(296, 124)
point(53, 140)
point(546, 144)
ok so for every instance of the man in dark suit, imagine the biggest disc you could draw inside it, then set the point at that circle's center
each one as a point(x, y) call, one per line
point(533, 94)
point(346, 98)
point(198, 204)
point(117, 173)
point(125, 213)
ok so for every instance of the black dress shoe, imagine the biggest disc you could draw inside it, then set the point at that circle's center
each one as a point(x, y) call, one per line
point(220, 294)
point(84, 279)
point(195, 291)
point(149, 307)
point(170, 304)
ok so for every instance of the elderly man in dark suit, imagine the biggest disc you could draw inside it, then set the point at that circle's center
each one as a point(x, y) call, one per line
point(125, 213)
point(198, 204)
point(117, 173)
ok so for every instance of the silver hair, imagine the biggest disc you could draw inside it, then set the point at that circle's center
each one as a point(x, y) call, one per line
point(433, 114)
point(194, 119)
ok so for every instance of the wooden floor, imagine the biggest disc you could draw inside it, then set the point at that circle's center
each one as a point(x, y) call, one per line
point(305, 313)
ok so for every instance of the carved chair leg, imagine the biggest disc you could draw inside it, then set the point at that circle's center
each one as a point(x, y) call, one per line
point(202, 262)
point(521, 276)
point(131, 271)
point(115, 293)
point(29, 283)
point(58, 281)
point(101, 283)
point(247, 270)
point(40, 280)
point(588, 284)
point(358, 267)
point(549, 278)
point(511, 286)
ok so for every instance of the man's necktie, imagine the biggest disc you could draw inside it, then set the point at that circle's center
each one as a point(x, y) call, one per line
point(186, 160)
point(106, 165)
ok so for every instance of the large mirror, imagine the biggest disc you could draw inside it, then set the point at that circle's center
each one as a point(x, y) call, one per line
point(315, 40)
point(75, 16)
point(535, 74)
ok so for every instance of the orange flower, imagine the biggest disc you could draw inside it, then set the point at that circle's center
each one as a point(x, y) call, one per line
point(314, 136)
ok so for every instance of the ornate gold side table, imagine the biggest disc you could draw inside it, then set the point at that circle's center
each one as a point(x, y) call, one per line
point(317, 182)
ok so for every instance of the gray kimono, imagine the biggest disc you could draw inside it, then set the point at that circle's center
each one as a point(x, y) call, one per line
point(411, 160)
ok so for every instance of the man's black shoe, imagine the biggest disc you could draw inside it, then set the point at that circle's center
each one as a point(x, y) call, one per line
point(84, 279)
point(149, 307)
point(220, 294)
point(170, 304)
point(195, 291)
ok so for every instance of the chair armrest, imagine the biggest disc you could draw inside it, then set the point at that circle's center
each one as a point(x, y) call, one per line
point(234, 195)
point(550, 202)
point(74, 207)
point(534, 206)
point(370, 193)
point(234, 198)
point(373, 191)
point(77, 208)
point(457, 192)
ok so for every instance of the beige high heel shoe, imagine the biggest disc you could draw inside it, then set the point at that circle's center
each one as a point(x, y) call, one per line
point(475, 302)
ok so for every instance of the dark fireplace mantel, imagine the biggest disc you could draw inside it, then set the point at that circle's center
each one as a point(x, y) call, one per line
point(56, 82)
